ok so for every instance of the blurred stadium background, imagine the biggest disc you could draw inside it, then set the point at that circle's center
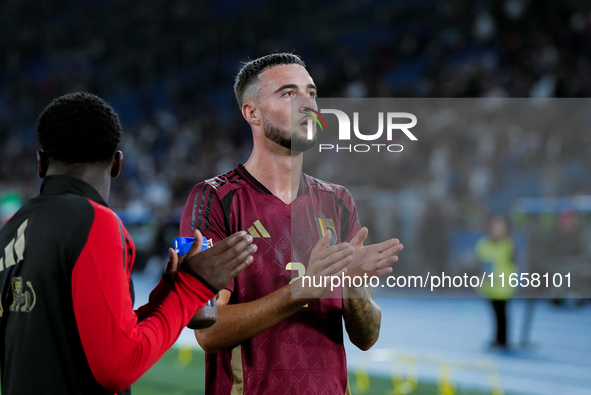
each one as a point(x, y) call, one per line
point(167, 68)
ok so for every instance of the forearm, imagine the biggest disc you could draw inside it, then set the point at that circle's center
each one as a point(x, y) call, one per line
point(156, 297)
point(240, 322)
point(118, 348)
point(362, 317)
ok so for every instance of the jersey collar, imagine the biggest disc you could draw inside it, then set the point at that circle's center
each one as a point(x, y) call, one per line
point(303, 189)
point(60, 185)
point(241, 170)
point(251, 180)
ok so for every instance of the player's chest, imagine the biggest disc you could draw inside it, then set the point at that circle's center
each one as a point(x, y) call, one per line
point(285, 233)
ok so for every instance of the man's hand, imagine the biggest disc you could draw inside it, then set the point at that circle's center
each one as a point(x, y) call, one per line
point(372, 260)
point(324, 261)
point(172, 267)
point(219, 264)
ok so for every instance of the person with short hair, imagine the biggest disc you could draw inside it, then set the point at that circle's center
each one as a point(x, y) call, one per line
point(67, 324)
point(270, 339)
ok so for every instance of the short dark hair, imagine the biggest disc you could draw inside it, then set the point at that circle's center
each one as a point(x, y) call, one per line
point(79, 128)
point(251, 70)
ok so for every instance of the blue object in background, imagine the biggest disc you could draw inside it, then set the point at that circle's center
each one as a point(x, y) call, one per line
point(182, 245)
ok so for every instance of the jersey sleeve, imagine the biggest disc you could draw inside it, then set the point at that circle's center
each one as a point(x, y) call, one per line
point(120, 348)
point(204, 211)
point(349, 217)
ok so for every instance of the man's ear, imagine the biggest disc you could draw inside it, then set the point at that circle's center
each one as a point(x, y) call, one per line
point(250, 113)
point(42, 163)
point(116, 164)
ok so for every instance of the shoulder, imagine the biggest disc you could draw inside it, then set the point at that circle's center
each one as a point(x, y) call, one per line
point(79, 212)
point(219, 185)
point(105, 215)
point(316, 185)
point(66, 209)
point(210, 200)
point(66, 221)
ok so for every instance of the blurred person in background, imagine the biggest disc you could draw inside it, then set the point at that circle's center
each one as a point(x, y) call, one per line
point(67, 324)
point(433, 237)
point(496, 253)
point(267, 341)
point(479, 49)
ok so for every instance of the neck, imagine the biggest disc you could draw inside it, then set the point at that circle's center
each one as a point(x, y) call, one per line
point(97, 177)
point(278, 169)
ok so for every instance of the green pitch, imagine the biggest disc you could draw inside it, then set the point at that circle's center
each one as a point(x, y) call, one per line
point(170, 376)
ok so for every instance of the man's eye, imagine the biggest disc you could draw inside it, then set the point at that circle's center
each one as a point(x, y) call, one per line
point(290, 94)
point(312, 94)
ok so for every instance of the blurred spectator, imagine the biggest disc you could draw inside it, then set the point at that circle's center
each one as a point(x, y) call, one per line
point(166, 66)
point(433, 237)
point(496, 253)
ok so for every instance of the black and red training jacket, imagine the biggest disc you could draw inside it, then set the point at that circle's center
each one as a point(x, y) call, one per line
point(67, 324)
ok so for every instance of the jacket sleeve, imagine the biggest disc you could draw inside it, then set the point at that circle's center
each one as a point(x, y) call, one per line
point(157, 295)
point(118, 347)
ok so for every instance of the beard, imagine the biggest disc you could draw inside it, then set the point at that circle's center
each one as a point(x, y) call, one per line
point(284, 138)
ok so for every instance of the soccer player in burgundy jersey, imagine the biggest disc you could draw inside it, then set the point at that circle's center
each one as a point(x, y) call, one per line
point(267, 342)
point(67, 324)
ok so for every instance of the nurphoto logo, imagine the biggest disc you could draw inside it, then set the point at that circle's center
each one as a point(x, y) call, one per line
point(393, 123)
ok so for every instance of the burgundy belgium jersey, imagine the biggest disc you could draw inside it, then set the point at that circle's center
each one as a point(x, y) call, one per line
point(67, 324)
point(304, 354)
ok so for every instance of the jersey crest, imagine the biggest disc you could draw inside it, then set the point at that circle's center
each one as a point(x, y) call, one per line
point(325, 224)
point(23, 301)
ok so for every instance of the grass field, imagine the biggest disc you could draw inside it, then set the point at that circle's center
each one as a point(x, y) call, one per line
point(172, 377)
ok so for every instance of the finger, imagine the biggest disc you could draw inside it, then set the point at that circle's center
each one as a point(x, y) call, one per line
point(236, 270)
point(197, 244)
point(336, 254)
point(327, 252)
point(385, 259)
point(337, 266)
point(392, 251)
point(382, 272)
point(241, 257)
point(382, 263)
point(230, 254)
point(172, 266)
point(385, 245)
point(229, 242)
point(323, 243)
point(343, 271)
point(360, 237)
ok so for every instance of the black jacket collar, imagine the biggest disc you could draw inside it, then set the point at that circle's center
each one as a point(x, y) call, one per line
point(59, 185)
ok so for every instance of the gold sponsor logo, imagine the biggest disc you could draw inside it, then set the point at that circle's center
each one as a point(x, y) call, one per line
point(258, 230)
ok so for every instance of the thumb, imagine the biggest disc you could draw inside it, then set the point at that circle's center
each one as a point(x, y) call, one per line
point(172, 266)
point(323, 242)
point(197, 244)
point(360, 237)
